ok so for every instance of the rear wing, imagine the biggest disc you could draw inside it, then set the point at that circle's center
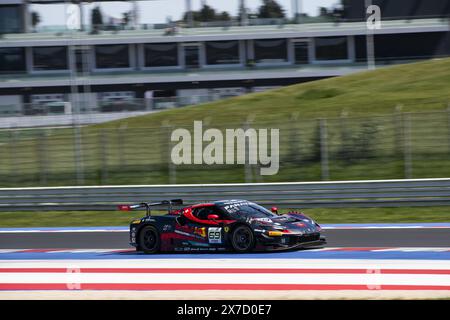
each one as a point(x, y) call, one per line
point(147, 206)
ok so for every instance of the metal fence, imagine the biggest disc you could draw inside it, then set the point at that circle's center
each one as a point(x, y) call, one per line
point(394, 146)
point(388, 193)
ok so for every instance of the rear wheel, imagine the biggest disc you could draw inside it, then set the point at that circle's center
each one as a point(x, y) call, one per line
point(149, 240)
point(242, 239)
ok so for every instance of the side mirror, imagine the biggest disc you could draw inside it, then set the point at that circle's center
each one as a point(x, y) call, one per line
point(213, 217)
point(274, 210)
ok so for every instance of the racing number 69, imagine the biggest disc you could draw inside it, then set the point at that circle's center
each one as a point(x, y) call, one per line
point(214, 235)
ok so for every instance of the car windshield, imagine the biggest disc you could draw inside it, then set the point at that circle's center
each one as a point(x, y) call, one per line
point(248, 209)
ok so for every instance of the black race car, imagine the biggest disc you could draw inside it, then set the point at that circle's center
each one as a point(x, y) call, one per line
point(227, 225)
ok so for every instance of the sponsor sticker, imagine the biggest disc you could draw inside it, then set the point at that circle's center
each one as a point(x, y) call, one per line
point(233, 205)
point(200, 231)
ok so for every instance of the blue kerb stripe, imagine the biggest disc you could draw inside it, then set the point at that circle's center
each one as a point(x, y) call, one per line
point(279, 255)
point(387, 225)
point(345, 225)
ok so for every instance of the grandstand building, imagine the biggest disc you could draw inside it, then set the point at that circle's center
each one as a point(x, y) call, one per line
point(158, 66)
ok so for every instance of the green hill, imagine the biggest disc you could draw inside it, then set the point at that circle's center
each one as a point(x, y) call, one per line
point(393, 122)
point(418, 87)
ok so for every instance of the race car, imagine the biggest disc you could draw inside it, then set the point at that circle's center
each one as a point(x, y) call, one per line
point(226, 225)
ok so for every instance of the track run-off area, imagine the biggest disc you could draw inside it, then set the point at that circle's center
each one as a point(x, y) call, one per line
point(360, 260)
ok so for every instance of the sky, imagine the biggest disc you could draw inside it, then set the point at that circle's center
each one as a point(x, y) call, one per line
point(159, 11)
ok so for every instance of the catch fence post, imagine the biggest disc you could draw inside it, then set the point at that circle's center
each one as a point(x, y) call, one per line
point(103, 157)
point(121, 146)
point(398, 131)
point(324, 149)
point(42, 153)
point(13, 159)
point(78, 148)
point(295, 139)
point(167, 150)
point(345, 147)
point(407, 146)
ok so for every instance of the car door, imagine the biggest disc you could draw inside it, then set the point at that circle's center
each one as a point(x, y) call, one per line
point(213, 228)
point(208, 233)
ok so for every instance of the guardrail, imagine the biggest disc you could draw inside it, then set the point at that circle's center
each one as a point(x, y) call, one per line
point(371, 193)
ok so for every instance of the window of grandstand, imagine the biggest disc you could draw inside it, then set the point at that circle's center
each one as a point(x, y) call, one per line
point(50, 58)
point(192, 56)
point(47, 98)
point(12, 60)
point(271, 50)
point(331, 48)
point(82, 61)
point(222, 52)
point(161, 54)
point(112, 56)
point(301, 52)
point(11, 19)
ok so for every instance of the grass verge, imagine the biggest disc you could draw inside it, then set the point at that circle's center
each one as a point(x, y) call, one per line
point(326, 215)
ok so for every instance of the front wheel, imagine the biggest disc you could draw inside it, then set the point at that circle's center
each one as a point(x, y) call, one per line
point(149, 240)
point(242, 239)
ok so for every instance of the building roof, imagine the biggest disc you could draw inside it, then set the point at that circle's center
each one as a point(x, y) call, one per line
point(216, 33)
point(148, 77)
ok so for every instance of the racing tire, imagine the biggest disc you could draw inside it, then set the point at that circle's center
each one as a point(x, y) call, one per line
point(149, 240)
point(242, 239)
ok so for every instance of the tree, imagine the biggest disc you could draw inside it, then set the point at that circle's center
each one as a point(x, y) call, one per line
point(336, 12)
point(323, 12)
point(224, 16)
point(126, 18)
point(207, 13)
point(35, 19)
point(96, 17)
point(270, 9)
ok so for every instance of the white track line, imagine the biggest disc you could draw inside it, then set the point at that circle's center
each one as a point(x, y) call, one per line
point(228, 278)
point(231, 263)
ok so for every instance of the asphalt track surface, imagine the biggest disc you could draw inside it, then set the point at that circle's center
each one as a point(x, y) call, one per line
point(335, 238)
